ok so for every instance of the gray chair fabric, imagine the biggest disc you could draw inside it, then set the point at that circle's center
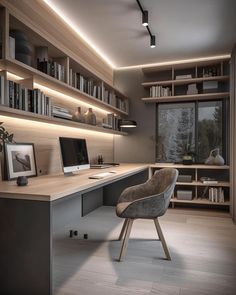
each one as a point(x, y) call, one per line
point(148, 200)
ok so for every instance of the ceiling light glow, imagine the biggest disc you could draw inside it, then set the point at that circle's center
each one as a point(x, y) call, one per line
point(79, 32)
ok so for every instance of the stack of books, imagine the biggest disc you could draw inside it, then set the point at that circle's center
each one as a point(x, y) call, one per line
point(61, 112)
point(216, 195)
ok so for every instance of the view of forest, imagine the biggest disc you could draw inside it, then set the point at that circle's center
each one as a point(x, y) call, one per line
point(179, 130)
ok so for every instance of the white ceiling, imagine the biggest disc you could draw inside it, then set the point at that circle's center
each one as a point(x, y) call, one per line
point(184, 28)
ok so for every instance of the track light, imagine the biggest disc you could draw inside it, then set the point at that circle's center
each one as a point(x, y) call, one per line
point(145, 18)
point(145, 24)
point(152, 41)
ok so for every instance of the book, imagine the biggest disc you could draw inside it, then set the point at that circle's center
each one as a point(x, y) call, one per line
point(179, 77)
point(208, 180)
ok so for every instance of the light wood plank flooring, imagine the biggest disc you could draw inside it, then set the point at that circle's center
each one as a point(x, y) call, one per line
point(202, 246)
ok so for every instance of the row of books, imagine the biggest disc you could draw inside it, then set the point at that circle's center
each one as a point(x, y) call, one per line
point(52, 68)
point(158, 91)
point(216, 195)
point(22, 98)
point(111, 122)
point(93, 88)
point(86, 85)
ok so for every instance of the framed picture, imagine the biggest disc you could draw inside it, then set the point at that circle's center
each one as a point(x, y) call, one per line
point(20, 160)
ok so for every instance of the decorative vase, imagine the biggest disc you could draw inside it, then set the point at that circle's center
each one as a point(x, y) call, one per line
point(90, 117)
point(218, 158)
point(215, 158)
point(78, 117)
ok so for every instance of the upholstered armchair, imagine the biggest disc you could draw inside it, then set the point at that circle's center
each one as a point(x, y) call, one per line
point(149, 200)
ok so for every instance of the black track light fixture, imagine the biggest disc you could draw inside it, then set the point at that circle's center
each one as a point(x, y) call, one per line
point(152, 41)
point(145, 24)
point(145, 18)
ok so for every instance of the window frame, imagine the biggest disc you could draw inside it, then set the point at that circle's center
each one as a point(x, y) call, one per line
point(225, 126)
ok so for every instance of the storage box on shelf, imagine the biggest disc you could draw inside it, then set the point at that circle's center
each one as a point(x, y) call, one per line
point(56, 75)
point(203, 178)
point(188, 81)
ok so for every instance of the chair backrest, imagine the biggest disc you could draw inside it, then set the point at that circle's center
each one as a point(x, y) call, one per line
point(163, 181)
point(163, 178)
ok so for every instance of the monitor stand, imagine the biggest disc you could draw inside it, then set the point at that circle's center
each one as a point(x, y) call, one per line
point(70, 174)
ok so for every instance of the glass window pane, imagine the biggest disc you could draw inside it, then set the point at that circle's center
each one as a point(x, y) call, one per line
point(175, 131)
point(209, 128)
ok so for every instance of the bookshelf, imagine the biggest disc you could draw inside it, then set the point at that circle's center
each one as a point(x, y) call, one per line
point(109, 100)
point(173, 83)
point(220, 173)
point(6, 111)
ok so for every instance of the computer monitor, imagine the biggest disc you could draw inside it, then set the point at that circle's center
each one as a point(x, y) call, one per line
point(74, 154)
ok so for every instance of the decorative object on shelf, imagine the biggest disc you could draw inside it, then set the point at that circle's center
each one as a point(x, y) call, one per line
point(192, 89)
point(90, 117)
point(215, 158)
point(188, 154)
point(22, 46)
point(22, 181)
point(184, 195)
point(5, 137)
point(78, 116)
point(41, 53)
point(20, 160)
point(210, 86)
point(100, 159)
point(124, 123)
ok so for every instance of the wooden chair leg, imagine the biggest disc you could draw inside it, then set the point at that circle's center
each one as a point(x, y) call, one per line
point(126, 239)
point(123, 229)
point(161, 236)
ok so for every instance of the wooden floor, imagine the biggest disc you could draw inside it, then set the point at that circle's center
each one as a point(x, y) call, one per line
point(202, 245)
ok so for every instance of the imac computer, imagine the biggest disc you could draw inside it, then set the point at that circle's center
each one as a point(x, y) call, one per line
point(74, 154)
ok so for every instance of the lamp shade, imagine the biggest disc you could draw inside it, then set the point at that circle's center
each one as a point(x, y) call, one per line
point(127, 123)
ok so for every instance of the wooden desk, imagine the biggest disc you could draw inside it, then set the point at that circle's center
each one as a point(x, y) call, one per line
point(30, 215)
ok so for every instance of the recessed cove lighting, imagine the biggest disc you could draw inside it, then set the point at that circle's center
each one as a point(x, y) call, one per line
point(175, 62)
point(66, 19)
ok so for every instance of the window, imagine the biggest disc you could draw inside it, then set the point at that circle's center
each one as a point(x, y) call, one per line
point(194, 127)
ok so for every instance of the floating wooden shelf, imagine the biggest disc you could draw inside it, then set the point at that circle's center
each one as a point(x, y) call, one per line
point(199, 183)
point(193, 166)
point(186, 81)
point(20, 69)
point(205, 96)
point(6, 111)
point(199, 202)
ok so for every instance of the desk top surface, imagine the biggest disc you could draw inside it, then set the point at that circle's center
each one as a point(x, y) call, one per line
point(56, 186)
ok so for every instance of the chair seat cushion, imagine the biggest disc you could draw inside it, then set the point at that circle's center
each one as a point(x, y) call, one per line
point(120, 208)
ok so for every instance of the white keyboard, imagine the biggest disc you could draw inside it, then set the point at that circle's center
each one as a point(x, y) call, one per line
point(102, 175)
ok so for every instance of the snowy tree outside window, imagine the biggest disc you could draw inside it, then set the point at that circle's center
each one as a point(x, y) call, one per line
point(178, 130)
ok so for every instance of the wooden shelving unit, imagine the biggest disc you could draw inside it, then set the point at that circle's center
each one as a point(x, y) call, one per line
point(197, 171)
point(174, 98)
point(195, 74)
point(6, 111)
point(186, 81)
point(56, 52)
point(20, 69)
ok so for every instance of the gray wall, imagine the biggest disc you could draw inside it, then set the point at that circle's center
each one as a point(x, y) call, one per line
point(139, 145)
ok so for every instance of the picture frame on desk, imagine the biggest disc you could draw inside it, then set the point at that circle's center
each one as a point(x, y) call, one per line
point(20, 160)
